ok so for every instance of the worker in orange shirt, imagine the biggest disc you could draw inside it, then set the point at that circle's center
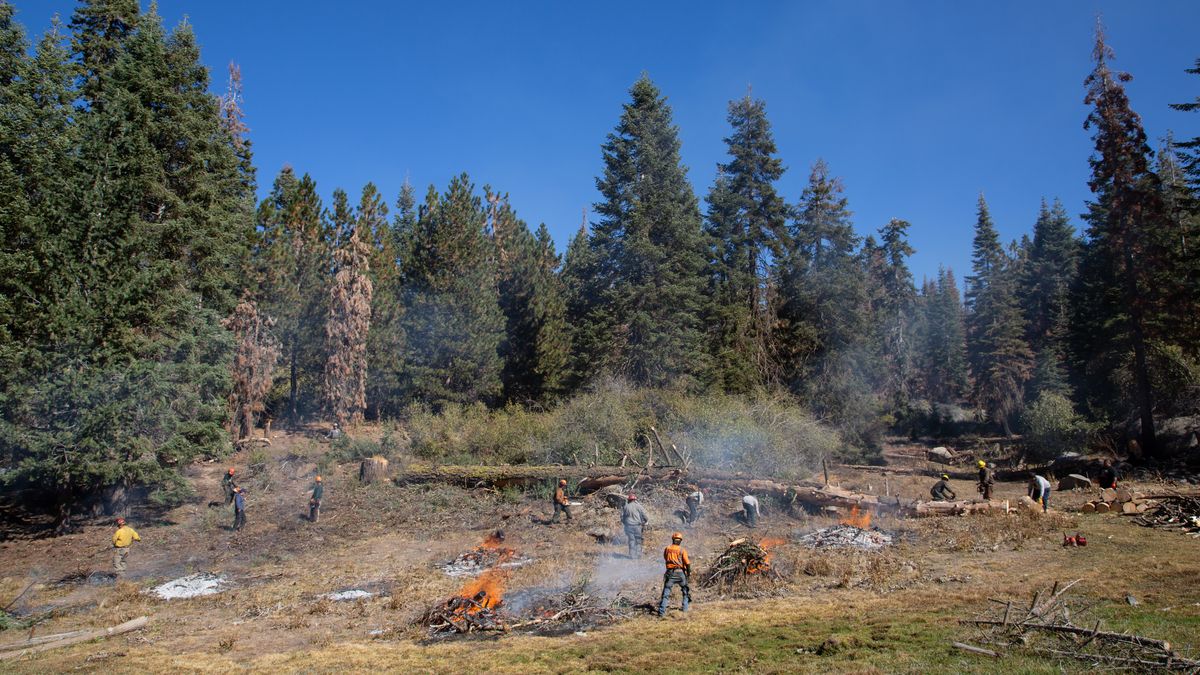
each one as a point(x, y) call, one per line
point(561, 503)
point(679, 568)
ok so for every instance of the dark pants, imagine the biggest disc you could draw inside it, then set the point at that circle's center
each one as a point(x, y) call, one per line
point(751, 515)
point(693, 506)
point(239, 518)
point(563, 508)
point(228, 497)
point(633, 533)
point(671, 579)
point(1042, 497)
point(314, 510)
point(986, 490)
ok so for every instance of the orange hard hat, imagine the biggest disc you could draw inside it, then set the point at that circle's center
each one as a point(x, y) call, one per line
point(676, 536)
point(231, 469)
point(631, 496)
point(120, 521)
point(318, 479)
point(562, 481)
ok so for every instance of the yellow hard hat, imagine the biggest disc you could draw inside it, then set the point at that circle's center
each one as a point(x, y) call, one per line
point(982, 463)
point(945, 476)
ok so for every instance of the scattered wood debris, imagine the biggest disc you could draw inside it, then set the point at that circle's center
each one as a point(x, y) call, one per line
point(1049, 625)
point(48, 642)
point(1177, 512)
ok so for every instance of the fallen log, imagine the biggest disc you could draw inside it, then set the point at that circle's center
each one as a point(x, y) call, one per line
point(67, 639)
point(957, 508)
point(39, 640)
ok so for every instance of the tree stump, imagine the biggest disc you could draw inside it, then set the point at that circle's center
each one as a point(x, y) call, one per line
point(1103, 507)
point(373, 469)
point(1088, 508)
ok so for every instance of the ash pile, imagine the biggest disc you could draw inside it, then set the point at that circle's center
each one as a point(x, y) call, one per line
point(847, 537)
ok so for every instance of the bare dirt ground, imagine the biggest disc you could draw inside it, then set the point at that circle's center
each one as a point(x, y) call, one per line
point(895, 610)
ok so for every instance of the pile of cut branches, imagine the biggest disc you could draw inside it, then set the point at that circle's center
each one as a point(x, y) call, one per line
point(574, 610)
point(1177, 512)
point(462, 615)
point(741, 560)
point(1050, 625)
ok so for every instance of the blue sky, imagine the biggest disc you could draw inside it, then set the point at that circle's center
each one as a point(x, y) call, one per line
point(918, 106)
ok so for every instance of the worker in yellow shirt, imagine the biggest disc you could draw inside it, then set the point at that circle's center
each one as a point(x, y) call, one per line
point(123, 538)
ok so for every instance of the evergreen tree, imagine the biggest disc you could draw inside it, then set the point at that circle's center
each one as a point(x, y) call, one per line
point(536, 346)
point(127, 374)
point(944, 361)
point(580, 267)
point(1119, 301)
point(999, 357)
point(1179, 280)
point(892, 299)
point(452, 321)
point(349, 321)
point(385, 340)
point(822, 318)
point(647, 291)
point(293, 262)
point(747, 229)
point(1191, 147)
point(1045, 293)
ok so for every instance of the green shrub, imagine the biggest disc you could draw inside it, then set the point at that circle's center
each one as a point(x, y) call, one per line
point(1052, 427)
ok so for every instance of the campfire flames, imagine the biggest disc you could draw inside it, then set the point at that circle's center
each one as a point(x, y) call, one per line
point(857, 518)
point(485, 591)
point(755, 566)
point(475, 605)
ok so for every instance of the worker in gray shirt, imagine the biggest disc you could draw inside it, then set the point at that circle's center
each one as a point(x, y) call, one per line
point(634, 518)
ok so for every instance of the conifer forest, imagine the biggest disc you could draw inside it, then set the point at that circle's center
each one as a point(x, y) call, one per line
point(162, 300)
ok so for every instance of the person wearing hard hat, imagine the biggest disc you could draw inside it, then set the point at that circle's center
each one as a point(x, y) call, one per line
point(227, 485)
point(679, 569)
point(561, 503)
point(122, 540)
point(986, 480)
point(314, 502)
point(941, 491)
point(634, 518)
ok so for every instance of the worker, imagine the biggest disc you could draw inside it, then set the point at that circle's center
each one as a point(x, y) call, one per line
point(314, 502)
point(679, 569)
point(986, 480)
point(1108, 475)
point(1039, 491)
point(122, 539)
point(227, 485)
point(634, 518)
point(335, 433)
point(561, 504)
point(750, 509)
point(239, 508)
point(941, 491)
point(695, 500)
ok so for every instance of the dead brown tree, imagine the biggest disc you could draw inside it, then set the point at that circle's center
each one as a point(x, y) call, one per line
point(346, 332)
point(253, 365)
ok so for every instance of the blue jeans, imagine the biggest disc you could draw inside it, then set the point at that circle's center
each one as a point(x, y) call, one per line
point(671, 579)
point(1044, 497)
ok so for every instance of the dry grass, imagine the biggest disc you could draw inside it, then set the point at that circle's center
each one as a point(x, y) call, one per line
point(888, 611)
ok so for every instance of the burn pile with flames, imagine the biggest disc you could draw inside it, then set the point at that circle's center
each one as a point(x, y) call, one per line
point(853, 531)
point(480, 604)
point(741, 562)
point(492, 553)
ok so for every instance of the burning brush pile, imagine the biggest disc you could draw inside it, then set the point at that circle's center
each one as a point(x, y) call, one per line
point(479, 605)
point(742, 561)
point(852, 532)
point(490, 554)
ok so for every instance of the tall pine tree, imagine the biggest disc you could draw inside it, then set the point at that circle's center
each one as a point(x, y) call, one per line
point(1045, 293)
point(349, 321)
point(746, 224)
point(647, 290)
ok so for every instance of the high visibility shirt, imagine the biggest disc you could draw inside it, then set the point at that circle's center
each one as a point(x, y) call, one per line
point(676, 557)
point(560, 496)
point(124, 536)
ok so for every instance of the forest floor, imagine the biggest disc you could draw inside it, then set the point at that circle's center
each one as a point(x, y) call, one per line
point(892, 610)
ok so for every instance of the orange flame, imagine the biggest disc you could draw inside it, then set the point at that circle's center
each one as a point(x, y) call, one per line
point(861, 520)
point(766, 545)
point(486, 590)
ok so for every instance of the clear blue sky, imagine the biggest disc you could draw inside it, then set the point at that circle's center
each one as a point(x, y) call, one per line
point(918, 106)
